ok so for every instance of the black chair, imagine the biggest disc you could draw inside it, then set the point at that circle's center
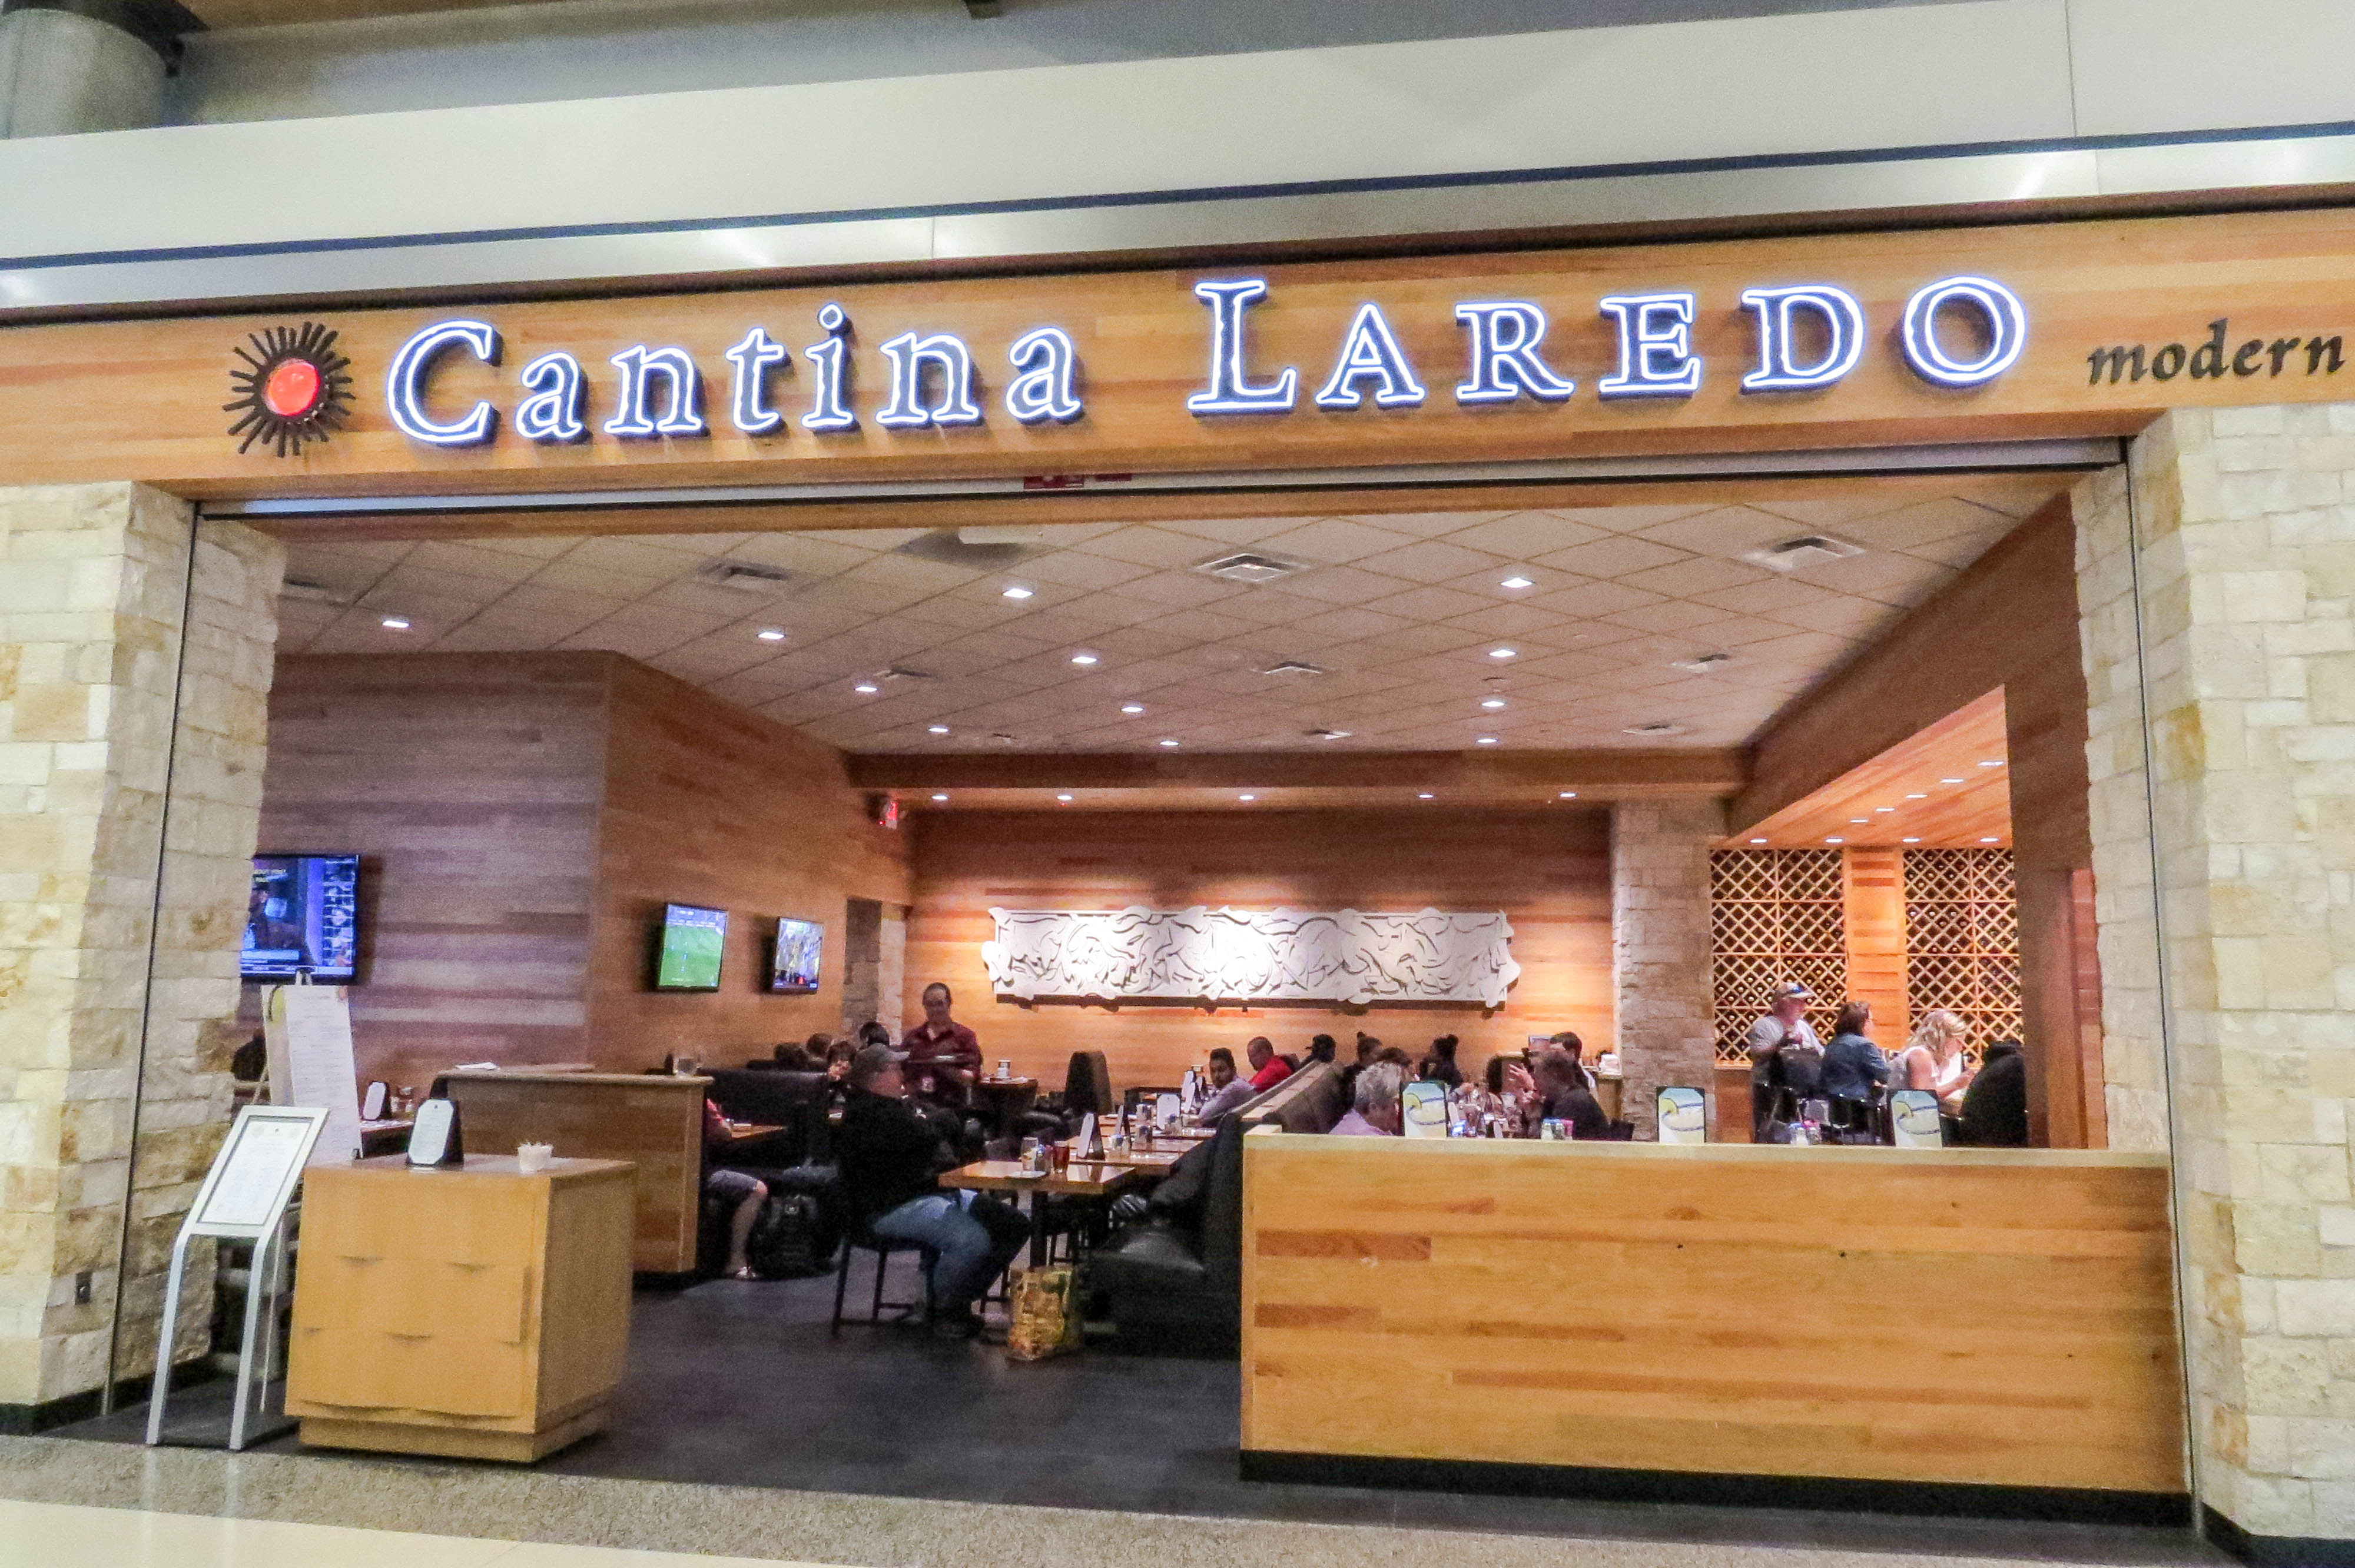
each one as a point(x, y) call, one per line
point(795, 1102)
point(1087, 1085)
point(861, 1239)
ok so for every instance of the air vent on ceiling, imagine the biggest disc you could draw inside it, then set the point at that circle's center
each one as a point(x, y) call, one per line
point(982, 549)
point(1655, 730)
point(1703, 664)
point(1249, 569)
point(1806, 550)
point(1293, 667)
point(315, 592)
point(1329, 734)
point(745, 577)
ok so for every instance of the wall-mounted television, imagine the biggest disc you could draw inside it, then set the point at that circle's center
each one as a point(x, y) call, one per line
point(793, 962)
point(303, 917)
point(687, 948)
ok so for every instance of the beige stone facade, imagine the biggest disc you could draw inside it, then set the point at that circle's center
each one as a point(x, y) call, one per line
point(2243, 544)
point(95, 594)
point(1661, 948)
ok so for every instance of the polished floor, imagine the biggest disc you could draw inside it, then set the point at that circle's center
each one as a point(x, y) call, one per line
point(739, 1386)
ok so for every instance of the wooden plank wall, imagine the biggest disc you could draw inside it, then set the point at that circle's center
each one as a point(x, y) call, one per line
point(523, 816)
point(1975, 1316)
point(708, 803)
point(2008, 622)
point(1873, 881)
point(1549, 871)
point(469, 783)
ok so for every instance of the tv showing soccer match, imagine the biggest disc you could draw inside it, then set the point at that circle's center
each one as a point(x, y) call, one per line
point(303, 917)
point(688, 949)
point(793, 967)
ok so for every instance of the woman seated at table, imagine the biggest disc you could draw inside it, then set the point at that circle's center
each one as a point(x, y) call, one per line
point(1854, 1067)
point(743, 1192)
point(892, 1161)
point(1932, 1060)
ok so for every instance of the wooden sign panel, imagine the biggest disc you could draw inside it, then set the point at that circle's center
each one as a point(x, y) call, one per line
point(2116, 321)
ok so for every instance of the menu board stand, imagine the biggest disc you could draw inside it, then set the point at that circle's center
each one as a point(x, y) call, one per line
point(307, 1030)
point(244, 1198)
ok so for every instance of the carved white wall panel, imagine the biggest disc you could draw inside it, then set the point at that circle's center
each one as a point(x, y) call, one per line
point(1251, 955)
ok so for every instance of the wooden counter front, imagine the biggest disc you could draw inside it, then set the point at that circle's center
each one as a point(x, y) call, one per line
point(653, 1120)
point(476, 1312)
point(1991, 1317)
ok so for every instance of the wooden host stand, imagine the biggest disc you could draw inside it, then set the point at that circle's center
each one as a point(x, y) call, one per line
point(474, 1312)
point(654, 1121)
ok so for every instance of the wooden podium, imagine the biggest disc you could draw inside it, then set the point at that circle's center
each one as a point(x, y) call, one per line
point(474, 1312)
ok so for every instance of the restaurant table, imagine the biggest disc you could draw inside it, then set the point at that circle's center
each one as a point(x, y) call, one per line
point(1082, 1179)
point(1003, 1099)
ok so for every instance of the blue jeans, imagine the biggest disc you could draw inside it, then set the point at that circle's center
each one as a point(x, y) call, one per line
point(973, 1237)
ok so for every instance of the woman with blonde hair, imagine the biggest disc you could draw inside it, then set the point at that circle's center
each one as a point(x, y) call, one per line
point(1932, 1059)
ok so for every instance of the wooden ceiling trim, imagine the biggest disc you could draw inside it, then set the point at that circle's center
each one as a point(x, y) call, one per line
point(1368, 777)
point(1948, 786)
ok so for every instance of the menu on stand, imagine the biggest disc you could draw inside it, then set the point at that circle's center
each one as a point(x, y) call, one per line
point(308, 1029)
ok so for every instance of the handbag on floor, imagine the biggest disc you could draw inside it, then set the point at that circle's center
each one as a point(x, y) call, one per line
point(1045, 1313)
point(784, 1240)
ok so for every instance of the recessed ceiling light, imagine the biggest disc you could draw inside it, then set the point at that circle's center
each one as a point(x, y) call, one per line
point(1492, 702)
point(1066, 800)
point(1246, 797)
point(1569, 795)
point(1016, 591)
point(866, 688)
point(1879, 810)
point(1423, 796)
point(940, 797)
point(1990, 841)
point(937, 728)
point(1835, 841)
point(1084, 658)
point(1992, 762)
point(1132, 708)
point(1949, 780)
point(1504, 652)
point(1484, 739)
point(1757, 840)
point(1858, 821)
point(1516, 581)
point(1329, 734)
point(396, 623)
point(771, 634)
point(1703, 664)
point(1168, 740)
point(1913, 841)
point(1917, 797)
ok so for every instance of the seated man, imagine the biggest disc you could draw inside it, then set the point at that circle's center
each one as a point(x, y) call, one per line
point(1560, 1082)
point(891, 1161)
point(1375, 1111)
point(744, 1192)
point(1227, 1090)
point(1267, 1068)
point(1995, 1108)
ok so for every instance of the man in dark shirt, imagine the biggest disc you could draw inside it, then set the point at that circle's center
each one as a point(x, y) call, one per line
point(944, 1055)
point(1995, 1108)
point(1560, 1080)
point(891, 1162)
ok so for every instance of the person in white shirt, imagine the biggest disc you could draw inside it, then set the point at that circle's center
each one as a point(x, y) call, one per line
point(1783, 1026)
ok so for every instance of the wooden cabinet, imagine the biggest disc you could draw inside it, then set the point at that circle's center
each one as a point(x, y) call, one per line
point(652, 1121)
point(476, 1312)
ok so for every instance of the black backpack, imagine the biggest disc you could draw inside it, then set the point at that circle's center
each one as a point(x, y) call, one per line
point(785, 1242)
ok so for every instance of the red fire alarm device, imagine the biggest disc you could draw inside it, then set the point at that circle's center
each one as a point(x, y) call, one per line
point(883, 811)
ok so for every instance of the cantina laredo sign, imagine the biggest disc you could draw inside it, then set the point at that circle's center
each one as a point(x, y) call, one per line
point(1954, 332)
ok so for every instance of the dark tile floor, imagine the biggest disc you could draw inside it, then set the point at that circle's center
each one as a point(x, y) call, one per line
point(740, 1384)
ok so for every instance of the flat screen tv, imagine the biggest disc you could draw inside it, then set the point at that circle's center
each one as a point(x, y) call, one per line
point(792, 965)
point(304, 917)
point(687, 948)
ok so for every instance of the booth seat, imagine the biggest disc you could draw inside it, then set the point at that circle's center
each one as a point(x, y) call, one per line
point(1176, 1275)
point(798, 1159)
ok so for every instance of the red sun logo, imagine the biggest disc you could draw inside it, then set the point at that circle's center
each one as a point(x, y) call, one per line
point(292, 391)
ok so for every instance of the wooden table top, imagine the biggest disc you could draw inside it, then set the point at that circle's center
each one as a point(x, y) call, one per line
point(1082, 1178)
point(1155, 1159)
point(993, 1082)
point(746, 1131)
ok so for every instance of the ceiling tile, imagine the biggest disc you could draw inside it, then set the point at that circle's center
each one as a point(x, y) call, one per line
point(1340, 540)
point(1612, 557)
point(1431, 561)
point(1145, 544)
point(1426, 604)
point(1525, 535)
point(1673, 615)
point(1595, 600)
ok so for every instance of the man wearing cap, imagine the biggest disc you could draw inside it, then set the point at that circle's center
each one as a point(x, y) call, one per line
point(1784, 1025)
point(891, 1160)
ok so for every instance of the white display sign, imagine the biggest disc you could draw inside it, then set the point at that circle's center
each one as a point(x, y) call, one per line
point(1247, 955)
point(308, 1029)
point(255, 1171)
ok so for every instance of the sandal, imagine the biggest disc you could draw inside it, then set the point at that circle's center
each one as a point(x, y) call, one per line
point(743, 1272)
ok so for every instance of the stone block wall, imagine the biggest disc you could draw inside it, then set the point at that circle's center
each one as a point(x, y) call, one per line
point(2243, 542)
point(93, 583)
point(1661, 948)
